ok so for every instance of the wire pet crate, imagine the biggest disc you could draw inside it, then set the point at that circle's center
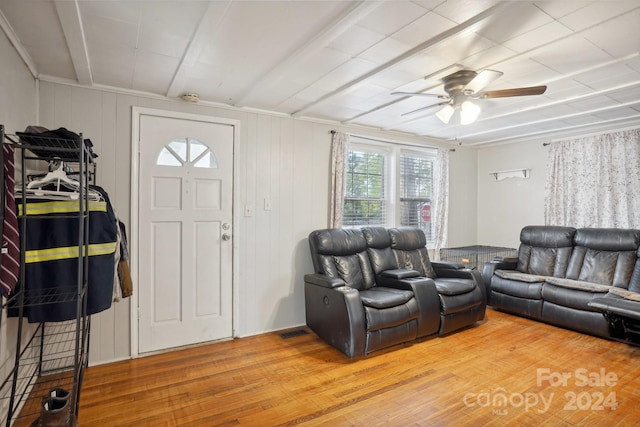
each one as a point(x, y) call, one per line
point(474, 257)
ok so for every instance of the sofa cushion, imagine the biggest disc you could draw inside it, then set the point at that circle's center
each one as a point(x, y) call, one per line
point(451, 286)
point(450, 304)
point(578, 285)
point(520, 277)
point(355, 270)
point(517, 288)
point(545, 250)
point(604, 255)
point(379, 249)
point(409, 247)
point(381, 297)
point(572, 297)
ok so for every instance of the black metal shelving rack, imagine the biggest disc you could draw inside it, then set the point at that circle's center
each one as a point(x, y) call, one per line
point(54, 354)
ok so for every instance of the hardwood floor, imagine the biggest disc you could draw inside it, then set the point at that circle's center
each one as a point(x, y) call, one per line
point(460, 379)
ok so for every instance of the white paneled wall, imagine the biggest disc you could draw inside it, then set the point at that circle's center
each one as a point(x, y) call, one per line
point(284, 161)
point(504, 207)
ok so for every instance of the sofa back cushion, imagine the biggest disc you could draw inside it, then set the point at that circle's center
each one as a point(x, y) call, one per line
point(545, 250)
point(409, 245)
point(342, 253)
point(604, 255)
point(379, 249)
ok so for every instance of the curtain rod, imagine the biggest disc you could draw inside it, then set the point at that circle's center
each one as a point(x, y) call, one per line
point(586, 135)
point(333, 132)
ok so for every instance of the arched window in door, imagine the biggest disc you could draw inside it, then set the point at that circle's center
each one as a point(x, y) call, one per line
point(187, 151)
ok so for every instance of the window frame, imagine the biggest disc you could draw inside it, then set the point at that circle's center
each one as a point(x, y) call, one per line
point(392, 181)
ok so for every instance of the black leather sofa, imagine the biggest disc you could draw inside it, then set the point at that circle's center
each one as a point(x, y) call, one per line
point(375, 287)
point(573, 278)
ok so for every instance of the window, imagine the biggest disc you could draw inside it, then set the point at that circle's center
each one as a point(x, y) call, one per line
point(388, 185)
point(416, 190)
point(365, 200)
point(187, 150)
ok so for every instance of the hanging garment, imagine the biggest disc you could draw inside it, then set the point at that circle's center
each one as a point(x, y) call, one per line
point(124, 272)
point(52, 254)
point(10, 264)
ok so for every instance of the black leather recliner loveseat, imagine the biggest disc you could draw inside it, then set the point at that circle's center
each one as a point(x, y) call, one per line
point(375, 287)
point(585, 279)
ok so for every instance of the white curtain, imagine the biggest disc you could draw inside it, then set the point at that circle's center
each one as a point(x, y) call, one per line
point(339, 143)
point(594, 181)
point(441, 201)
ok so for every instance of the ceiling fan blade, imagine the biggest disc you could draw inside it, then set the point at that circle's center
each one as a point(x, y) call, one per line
point(434, 95)
point(521, 91)
point(482, 80)
point(428, 107)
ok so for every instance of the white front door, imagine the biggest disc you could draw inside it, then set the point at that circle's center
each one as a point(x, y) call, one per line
point(185, 232)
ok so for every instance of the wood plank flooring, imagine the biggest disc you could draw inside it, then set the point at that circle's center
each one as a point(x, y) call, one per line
point(505, 371)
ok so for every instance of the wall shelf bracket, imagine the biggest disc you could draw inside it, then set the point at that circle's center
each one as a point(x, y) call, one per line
point(512, 173)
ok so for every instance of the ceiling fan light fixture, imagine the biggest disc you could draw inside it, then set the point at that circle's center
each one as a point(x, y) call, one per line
point(446, 113)
point(468, 112)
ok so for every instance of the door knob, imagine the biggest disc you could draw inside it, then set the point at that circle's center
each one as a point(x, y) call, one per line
point(226, 237)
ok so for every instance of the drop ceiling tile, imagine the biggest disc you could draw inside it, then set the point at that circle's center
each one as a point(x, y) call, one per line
point(121, 33)
point(422, 29)
point(115, 10)
point(105, 73)
point(593, 103)
point(566, 88)
point(558, 9)
point(385, 51)
point(153, 72)
point(524, 72)
point(628, 94)
point(311, 93)
point(488, 58)
point(570, 55)
point(329, 111)
point(345, 73)
point(463, 45)
point(161, 16)
point(462, 10)
point(615, 113)
point(162, 42)
point(315, 67)
point(597, 12)
point(519, 18)
point(619, 36)
point(53, 61)
point(390, 17)
point(538, 37)
point(607, 77)
point(356, 40)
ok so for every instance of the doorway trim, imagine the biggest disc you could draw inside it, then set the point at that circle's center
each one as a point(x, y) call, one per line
point(136, 113)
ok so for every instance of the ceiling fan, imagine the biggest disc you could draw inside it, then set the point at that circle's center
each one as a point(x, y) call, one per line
point(465, 86)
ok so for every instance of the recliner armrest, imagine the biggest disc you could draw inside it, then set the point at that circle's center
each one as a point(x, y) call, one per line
point(513, 260)
point(447, 265)
point(400, 273)
point(322, 280)
point(617, 306)
point(490, 267)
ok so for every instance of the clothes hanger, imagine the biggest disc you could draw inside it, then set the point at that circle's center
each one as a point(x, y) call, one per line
point(58, 178)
